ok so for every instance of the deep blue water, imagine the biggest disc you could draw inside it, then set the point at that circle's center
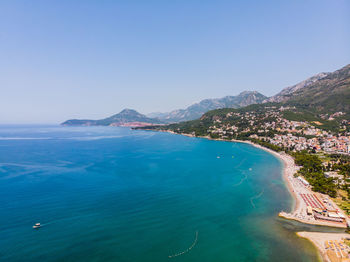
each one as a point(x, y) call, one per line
point(113, 194)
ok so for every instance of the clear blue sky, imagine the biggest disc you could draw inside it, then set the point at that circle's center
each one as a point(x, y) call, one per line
point(91, 59)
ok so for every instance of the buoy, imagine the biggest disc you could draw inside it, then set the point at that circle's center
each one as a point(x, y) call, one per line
point(256, 197)
point(242, 180)
point(188, 249)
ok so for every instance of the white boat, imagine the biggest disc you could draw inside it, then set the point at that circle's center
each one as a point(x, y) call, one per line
point(37, 225)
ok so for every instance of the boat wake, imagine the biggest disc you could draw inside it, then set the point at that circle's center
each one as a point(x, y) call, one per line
point(188, 249)
point(256, 197)
point(63, 219)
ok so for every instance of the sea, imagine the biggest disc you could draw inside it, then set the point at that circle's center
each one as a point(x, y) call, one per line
point(116, 194)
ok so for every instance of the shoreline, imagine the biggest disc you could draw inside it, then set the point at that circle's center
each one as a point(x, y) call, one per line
point(317, 239)
point(289, 169)
point(298, 207)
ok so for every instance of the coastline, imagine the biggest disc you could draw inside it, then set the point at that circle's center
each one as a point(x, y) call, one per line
point(289, 169)
point(299, 206)
point(316, 238)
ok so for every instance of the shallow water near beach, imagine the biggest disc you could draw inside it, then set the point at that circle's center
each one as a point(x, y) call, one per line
point(113, 194)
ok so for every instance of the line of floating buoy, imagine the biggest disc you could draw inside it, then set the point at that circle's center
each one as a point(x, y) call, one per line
point(219, 157)
point(240, 163)
point(256, 197)
point(188, 249)
point(242, 180)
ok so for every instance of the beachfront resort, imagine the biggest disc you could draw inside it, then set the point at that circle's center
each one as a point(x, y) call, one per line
point(317, 209)
point(312, 207)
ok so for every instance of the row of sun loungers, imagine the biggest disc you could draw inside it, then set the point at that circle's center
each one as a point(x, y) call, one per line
point(313, 201)
point(338, 247)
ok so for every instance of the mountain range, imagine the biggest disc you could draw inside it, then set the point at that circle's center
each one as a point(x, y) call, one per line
point(324, 93)
point(198, 109)
point(130, 117)
point(286, 92)
point(327, 95)
point(322, 101)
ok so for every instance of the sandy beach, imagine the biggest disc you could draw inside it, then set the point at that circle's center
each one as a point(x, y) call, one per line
point(330, 245)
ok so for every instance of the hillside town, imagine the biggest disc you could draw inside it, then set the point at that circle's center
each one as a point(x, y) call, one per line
point(273, 128)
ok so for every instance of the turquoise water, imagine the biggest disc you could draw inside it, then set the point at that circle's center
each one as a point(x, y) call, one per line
point(113, 194)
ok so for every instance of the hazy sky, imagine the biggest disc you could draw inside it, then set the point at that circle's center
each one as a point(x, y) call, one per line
point(91, 59)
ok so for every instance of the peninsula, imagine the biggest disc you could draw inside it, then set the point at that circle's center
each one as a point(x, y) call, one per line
point(127, 117)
